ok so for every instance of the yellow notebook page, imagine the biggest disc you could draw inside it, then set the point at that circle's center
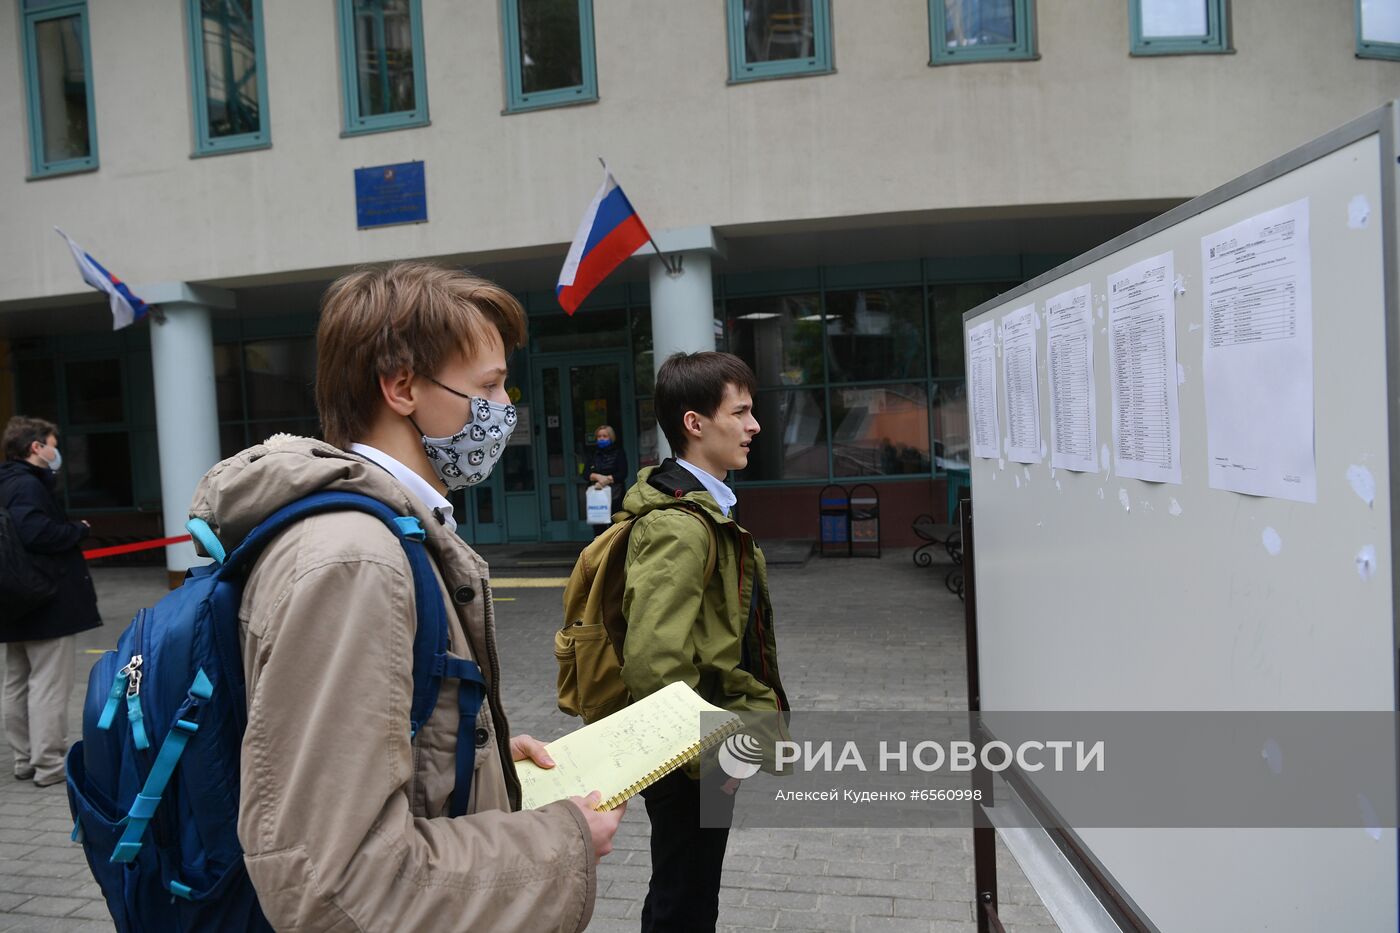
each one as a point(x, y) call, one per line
point(625, 752)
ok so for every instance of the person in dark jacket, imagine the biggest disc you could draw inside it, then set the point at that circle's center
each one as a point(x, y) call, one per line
point(607, 468)
point(39, 655)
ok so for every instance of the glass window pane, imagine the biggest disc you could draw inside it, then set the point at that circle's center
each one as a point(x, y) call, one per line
point(228, 381)
point(593, 330)
point(230, 440)
point(778, 30)
point(879, 430)
point(518, 462)
point(62, 74)
point(791, 442)
point(647, 452)
point(979, 22)
point(97, 469)
point(950, 431)
point(384, 56)
point(551, 47)
point(485, 504)
point(280, 376)
point(780, 337)
point(94, 392)
point(552, 410)
point(1380, 20)
point(558, 507)
point(38, 389)
point(644, 363)
point(230, 67)
point(1164, 18)
point(946, 306)
point(875, 334)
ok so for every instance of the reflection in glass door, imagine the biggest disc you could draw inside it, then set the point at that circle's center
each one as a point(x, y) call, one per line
point(576, 394)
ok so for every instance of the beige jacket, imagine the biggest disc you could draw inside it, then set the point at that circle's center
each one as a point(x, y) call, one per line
point(343, 819)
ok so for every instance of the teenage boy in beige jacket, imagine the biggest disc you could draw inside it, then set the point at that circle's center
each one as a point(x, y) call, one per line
point(343, 817)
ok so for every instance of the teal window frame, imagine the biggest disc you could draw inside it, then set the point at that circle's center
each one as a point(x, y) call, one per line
point(517, 101)
point(356, 122)
point(740, 71)
point(1216, 41)
point(1023, 49)
point(1369, 49)
point(204, 144)
point(33, 12)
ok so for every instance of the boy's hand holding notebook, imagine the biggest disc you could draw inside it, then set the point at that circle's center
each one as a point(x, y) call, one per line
point(625, 752)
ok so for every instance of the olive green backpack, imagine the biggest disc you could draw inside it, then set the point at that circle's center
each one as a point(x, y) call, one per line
point(589, 646)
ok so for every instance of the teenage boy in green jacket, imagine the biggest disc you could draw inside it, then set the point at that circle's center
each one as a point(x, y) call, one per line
point(717, 637)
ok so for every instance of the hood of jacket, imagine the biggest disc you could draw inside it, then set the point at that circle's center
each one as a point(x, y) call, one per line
point(246, 488)
point(660, 486)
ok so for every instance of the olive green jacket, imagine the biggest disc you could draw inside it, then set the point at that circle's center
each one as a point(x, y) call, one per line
point(717, 637)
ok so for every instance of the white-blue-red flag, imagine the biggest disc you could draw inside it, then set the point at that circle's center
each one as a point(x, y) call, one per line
point(609, 233)
point(126, 307)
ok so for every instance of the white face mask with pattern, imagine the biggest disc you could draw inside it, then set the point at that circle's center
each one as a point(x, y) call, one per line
point(466, 458)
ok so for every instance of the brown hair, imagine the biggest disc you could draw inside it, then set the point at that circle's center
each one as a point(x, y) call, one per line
point(410, 315)
point(695, 382)
point(22, 431)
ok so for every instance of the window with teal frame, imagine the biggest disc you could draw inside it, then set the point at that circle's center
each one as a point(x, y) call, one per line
point(229, 71)
point(1378, 29)
point(980, 30)
point(549, 53)
point(1179, 27)
point(778, 38)
point(381, 57)
point(58, 84)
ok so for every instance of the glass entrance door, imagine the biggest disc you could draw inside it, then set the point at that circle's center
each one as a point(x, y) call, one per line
point(577, 392)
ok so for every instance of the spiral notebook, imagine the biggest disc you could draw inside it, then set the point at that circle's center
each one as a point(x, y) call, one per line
point(625, 752)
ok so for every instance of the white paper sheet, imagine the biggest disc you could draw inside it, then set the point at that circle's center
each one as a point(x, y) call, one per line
point(982, 392)
point(1174, 18)
point(1020, 380)
point(1069, 354)
point(1258, 353)
point(1142, 357)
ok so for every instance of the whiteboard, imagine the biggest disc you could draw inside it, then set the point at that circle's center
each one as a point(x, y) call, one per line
point(1106, 593)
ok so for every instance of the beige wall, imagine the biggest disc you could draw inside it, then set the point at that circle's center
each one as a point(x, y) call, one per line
point(885, 133)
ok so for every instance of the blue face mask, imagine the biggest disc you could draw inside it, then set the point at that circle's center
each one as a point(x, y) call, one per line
point(604, 443)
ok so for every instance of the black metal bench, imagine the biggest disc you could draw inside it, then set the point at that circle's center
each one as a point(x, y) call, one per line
point(935, 536)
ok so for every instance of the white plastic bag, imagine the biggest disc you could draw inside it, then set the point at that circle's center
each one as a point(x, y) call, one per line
point(599, 506)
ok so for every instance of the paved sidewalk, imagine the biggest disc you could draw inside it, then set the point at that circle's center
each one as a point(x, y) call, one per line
point(852, 634)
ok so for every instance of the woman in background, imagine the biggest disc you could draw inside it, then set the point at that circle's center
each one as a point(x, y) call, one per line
point(607, 468)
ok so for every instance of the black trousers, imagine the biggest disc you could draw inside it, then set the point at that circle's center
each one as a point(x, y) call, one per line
point(686, 860)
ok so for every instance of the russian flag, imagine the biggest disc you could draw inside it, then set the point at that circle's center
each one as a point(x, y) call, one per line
point(126, 307)
point(609, 233)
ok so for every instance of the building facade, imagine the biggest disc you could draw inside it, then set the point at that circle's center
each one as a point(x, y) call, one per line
point(839, 179)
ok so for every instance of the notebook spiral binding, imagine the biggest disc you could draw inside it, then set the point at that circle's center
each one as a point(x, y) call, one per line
point(671, 764)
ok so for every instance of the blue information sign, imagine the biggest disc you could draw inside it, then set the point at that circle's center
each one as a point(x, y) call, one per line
point(390, 194)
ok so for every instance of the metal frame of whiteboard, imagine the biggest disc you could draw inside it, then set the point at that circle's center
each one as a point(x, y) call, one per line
point(1385, 124)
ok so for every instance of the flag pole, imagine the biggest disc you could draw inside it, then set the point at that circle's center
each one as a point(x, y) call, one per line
point(665, 260)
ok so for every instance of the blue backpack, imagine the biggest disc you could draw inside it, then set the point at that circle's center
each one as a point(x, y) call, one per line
point(153, 785)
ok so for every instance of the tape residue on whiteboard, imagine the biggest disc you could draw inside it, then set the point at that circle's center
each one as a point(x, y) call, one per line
point(1362, 483)
point(1124, 501)
point(1175, 508)
point(1179, 286)
point(1358, 212)
point(1192, 328)
point(1017, 479)
point(1100, 492)
point(1272, 542)
point(1180, 375)
point(1366, 562)
point(1104, 460)
point(1369, 818)
point(1274, 756)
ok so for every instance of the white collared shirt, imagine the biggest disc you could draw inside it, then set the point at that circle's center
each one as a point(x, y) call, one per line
point(724, 496)
point(416, 484)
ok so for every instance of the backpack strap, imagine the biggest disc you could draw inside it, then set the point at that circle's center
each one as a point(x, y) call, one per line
point(712, 555)
point(431, 664)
